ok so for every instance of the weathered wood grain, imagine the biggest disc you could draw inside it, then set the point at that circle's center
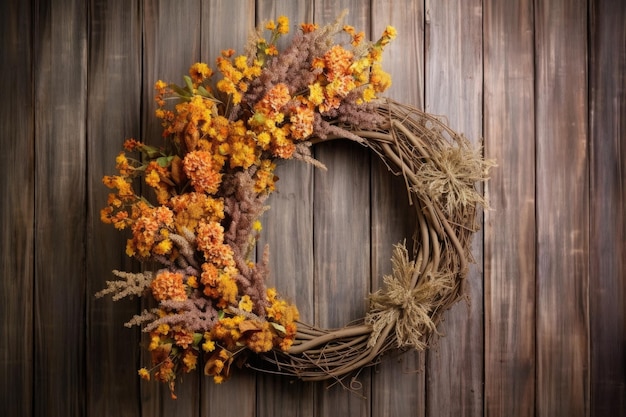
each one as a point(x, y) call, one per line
point(172, 38)
point(453, 88)
point(342, 257)
point(78, 78)
point(60, 38)
point(224, 25)
point(16, 208)
point(398, 383)
point(288, 230)
point(404, 56)
point(562, 209)
point(114, 103)
point(342, 234)
point(607, 206)
point(510, 225)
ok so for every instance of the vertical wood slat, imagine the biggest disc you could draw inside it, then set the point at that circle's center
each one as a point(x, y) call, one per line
point(172, 38)
point(562, 209)
point(225, 25)
point(398, 384)
point(509, 226)
point(453, 87)
point(341, 234)
point(288, 230)
point(59, 290)
point(607, 247)
point(16, 209)
point(114, 103)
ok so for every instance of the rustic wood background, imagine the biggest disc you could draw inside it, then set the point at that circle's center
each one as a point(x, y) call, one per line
point(542, 82)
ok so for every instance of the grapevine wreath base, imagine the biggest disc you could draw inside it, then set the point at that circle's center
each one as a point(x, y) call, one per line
point(196, 233)
point(440, 169)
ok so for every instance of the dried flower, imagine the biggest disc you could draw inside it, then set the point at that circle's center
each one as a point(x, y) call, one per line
point(209, 183)
point(168, 286)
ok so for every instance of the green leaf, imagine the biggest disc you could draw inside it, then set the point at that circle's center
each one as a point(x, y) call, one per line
point(279, 327)
point(150, 151)
point(181, 92)
point(188, 82)
point(203, 92)
point(164, 161)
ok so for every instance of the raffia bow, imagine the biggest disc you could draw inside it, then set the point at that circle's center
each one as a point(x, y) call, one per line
point(408, 299)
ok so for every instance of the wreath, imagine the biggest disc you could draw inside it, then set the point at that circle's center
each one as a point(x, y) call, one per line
point(196, 234)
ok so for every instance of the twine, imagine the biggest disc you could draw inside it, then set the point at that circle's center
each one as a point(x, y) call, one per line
point(407, 306)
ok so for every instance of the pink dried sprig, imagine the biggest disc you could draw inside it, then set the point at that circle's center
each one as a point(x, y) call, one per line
point(196, 314)
point(178, 265)
point(131, 284)
point(186, 248)
point(244, 206)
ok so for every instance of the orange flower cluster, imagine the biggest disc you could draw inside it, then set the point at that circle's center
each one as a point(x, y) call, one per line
point(173, 349)
point(168, 286)
point(343, 72)
point(211, 301)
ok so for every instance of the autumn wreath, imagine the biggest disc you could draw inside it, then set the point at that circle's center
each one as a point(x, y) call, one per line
point(212, 175)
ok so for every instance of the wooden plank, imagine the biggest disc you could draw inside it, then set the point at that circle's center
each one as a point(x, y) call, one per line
point(341, 210)
point(398, 383)
point(17, 209)
point(114, 94)
point(607, 205)
point(453, 87)
point(562, 209)
point(342, 235)
point(404, 57)
point(60, 38)
point(342, 258)
point(224, 25)
point(510, 226)
point(172, 38)
point(288, 230)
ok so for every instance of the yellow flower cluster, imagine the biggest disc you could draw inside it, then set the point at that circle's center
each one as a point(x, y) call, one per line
point(232, 333)
point(173, 349)
point(284, 314)
point(237, 74)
